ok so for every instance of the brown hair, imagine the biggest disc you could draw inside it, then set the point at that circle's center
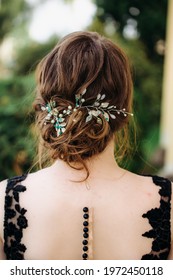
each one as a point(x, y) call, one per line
point(83, 60)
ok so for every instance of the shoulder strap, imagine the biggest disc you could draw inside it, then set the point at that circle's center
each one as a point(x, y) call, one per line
point(159, 219)
point(14, 219)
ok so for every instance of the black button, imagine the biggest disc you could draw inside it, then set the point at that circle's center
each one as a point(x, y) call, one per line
point(85, 248)
point(85, 255)
point(85, 229)
point(86, 216)
point(85, 235)
point(85, 209)
point(85, 223)
point(85, 242)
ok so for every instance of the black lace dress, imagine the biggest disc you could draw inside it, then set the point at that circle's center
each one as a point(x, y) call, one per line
point(15, 222)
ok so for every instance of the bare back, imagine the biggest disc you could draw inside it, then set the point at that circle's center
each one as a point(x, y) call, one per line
point(55, 216)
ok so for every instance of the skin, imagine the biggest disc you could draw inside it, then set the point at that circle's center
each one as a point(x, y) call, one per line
point(116, 198)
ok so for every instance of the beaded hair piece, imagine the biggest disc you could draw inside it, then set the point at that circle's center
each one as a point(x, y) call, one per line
point(97, 109)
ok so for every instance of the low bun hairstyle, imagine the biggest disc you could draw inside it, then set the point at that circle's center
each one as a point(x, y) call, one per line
point(83, 60)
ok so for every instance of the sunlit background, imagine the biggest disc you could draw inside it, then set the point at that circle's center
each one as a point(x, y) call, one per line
point(56, 17)
point(28, 31)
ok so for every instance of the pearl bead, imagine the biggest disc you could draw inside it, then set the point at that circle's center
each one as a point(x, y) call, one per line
point(83, 92)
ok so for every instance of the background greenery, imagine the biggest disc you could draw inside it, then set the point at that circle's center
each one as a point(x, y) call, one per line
point(146, 52)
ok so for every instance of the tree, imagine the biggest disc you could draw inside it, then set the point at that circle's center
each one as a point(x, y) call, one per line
point(12, 15)
point(147, 77)
point(16, 140)
point(150, 17)
point(35, 51)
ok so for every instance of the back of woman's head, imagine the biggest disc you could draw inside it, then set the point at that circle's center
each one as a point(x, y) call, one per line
point(82, 62)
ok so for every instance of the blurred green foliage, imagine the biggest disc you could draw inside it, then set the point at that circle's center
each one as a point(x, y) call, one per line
point(16, 117)
point(148, 17)
point(147, 79)
point(17, 142)
point(28, 56)
point(13, 14)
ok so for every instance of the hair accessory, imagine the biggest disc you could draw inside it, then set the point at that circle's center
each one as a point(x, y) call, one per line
point(97, 109)
point(55, 117)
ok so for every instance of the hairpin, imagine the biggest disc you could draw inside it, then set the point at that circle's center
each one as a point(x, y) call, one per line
point(97, 109)
point(55, 117)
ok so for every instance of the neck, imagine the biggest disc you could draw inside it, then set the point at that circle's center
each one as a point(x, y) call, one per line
point(101, 166)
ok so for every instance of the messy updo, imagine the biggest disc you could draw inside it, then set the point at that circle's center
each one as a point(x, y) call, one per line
point(83, 60)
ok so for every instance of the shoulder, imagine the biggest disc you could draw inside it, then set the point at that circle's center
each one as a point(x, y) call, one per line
point(154, 180)
point(165, 185)
point(6, 187)
point(3, 186)
point(171, 252)
point(151, 189)
point(151, 182)
point(166, 193)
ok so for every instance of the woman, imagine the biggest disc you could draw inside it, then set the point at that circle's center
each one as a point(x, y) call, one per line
point(84, 206)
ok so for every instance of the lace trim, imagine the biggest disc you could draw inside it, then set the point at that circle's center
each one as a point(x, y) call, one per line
point(159, 219)
point(14, 220)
